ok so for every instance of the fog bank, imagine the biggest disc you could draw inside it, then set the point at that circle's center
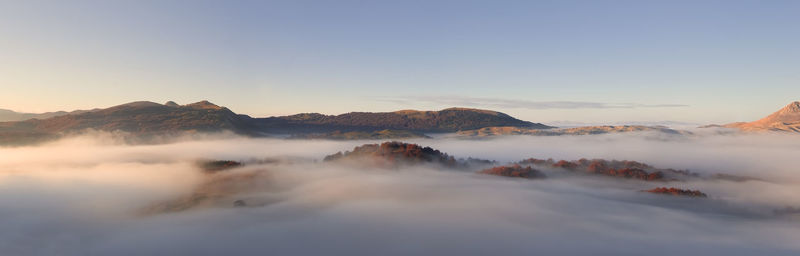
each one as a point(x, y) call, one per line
point(85, 195)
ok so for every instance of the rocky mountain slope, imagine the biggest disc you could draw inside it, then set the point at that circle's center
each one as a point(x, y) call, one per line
point(786, 119)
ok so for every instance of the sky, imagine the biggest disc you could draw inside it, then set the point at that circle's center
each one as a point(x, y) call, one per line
point(544, 61)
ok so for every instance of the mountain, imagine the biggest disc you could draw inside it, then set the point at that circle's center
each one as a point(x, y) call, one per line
point(145, 117)
point(149, 120)
point(141, 119)
point(10, 115)
point(447, 120)
point(586, 130)
point(786, 119)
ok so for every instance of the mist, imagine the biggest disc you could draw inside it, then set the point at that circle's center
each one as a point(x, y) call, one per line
point(89, 195)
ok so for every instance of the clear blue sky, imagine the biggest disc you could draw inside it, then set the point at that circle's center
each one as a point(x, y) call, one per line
point(592, 61)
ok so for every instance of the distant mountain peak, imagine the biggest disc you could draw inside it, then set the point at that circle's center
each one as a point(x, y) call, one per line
point(137, 104)
point(788, 114)
point(793, 107)
point(785, 119)
point(171, 104)
point(204, 105)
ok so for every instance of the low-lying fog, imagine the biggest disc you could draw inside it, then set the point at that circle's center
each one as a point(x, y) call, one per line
point(89, 195)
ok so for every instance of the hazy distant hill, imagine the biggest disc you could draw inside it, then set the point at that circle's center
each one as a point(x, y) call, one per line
point(786, 119)
point(10, 115)
point(145, 119)
point(362, 135)
point(447, 120)
point(586, 130)
point(150, 117)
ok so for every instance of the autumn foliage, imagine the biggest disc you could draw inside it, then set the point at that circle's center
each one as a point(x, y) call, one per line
point(393, 153)
point(516, 171)
point(623, 169)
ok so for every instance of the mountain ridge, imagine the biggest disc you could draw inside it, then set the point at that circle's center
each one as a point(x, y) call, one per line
point(149, 119)
point(7, 115)
point(446, 120)
point(583, 130)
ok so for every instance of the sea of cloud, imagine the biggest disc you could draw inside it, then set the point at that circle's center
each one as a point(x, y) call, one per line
point(85, 196)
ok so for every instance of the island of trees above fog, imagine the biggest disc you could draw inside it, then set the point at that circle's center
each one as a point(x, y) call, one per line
point(149, 122)
point(224, 187)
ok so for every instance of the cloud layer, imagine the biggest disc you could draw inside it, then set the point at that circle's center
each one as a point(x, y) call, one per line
point(83, 196)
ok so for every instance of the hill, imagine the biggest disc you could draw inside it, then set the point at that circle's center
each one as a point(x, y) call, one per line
point(395, 154)
point(144, 119)
point(361, 135)
point(447, 120)
point(786, 119)
point(141, 119)
point(11, 116)
point(586, 130)
point(392, 154)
